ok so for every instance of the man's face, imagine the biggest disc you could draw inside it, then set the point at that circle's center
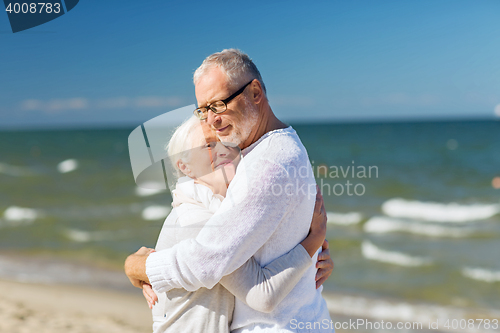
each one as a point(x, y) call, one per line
point(241, 117)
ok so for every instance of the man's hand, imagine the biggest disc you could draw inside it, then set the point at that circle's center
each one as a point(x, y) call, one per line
point(316, 237)
point(149, 294)
point(135, 267)
point(324, 265)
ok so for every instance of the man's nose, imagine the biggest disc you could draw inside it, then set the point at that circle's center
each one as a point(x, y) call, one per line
point(212, 117)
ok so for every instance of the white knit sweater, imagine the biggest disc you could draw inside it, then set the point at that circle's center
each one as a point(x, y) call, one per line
point(267, 212)
point(211, 310)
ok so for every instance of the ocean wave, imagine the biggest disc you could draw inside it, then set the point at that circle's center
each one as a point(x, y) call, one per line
point(15, 171)
point(372, 252)
point(155, 212)
point(144, 192)
point(93, 211)
point(382, 224)
point(14, 216)
point(438, 212)
point(481, 274)
point(18, 215)
point(83, 236)
point(393, 310)
point(67, 166)
point(344, 219)
point(51, 270)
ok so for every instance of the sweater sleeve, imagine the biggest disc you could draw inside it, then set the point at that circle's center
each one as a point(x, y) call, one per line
point(263, 288)
point(241, 226)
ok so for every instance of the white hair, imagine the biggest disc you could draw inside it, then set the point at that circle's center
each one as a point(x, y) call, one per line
point(236, 65)
point(182, 142)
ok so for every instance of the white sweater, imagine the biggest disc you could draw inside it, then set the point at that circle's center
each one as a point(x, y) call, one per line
point(211, 310)
point(267, 212)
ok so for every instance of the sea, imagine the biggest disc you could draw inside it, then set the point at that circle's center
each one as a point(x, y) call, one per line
point(413, 216)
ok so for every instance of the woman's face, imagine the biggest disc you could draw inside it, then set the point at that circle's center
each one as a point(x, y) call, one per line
point(212, 164)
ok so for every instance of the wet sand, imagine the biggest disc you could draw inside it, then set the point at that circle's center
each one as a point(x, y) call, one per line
point(60, 308)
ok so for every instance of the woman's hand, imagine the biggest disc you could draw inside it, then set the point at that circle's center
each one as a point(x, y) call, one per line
point(324, 265)
point(149, 294)
point(317, 232)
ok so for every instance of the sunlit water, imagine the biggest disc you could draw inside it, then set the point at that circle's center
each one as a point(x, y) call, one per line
point(423, 225)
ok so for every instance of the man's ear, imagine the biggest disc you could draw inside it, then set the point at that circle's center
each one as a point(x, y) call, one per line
point(183, 167)
point(257, 91)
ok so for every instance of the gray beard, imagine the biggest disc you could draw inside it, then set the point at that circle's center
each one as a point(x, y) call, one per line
point(239, 136)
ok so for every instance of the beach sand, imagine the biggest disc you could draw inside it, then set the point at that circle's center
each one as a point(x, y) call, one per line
point(60, 308)
point(42, 308)
point(30, 307)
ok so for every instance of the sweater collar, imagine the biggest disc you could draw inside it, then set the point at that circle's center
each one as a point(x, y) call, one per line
point(287, 130)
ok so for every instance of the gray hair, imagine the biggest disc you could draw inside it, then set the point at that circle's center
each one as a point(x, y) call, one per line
point(237, 66)
point(181, 142)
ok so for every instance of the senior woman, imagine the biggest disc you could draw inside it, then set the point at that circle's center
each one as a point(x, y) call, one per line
point(204, 171)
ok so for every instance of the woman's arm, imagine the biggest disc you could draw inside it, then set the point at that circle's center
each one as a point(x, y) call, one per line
point(263, 288)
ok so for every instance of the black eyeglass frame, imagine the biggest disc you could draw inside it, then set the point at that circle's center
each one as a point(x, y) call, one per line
point(204, 115)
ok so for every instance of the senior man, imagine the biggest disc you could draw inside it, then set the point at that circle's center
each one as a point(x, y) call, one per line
point(267, 210)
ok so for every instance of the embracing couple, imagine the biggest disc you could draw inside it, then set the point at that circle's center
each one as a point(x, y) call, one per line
point(243, 249)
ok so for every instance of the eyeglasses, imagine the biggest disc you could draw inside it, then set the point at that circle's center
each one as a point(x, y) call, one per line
point(219, 106)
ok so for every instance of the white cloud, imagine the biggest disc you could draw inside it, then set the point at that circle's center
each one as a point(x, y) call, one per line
point(480, 99)
point(282, 100)
point(497, 110)
point(31, 104)
point(402, 99)
point(80, 103)
point(113, 103)
point(55, 105)
point(156, 101)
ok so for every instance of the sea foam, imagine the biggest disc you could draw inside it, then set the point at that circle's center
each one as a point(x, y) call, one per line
point(407, 313)
point(42, 269)
point(372, 252)
point(481, 274)
point(67, 166)
point(344, 219)
point(15, 171)
point(155, 212)
point(83, 236)
point(383, 224)
point(14, 215)
point(144, 192)
point(438, 212)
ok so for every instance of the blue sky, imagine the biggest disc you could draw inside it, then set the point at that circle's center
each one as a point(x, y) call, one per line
point(124, 62)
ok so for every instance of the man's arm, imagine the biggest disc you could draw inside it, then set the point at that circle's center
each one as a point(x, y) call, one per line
point(237, 231)
point(243, 223)
point(135, 267)
point(263, 288)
